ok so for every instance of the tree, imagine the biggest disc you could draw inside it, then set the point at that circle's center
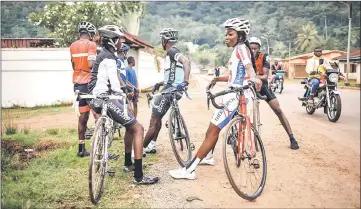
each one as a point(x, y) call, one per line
point(204, 57)
point(62, 18)
point(306, 37)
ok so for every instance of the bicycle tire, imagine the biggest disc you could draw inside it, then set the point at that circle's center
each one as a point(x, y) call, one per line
point(256, 120)
point(95, 140)
point(227, 169)
point(172, 116)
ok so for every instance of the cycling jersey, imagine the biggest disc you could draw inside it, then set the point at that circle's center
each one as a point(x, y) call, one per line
point(81, 51)
point(104, 72)
point(173, 69)
point(241, 56)
point(261, 62)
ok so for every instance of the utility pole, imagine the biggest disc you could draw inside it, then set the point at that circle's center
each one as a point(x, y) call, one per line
point(349, 6)
point(267, 43)
point(289, 59)
point(326, 25)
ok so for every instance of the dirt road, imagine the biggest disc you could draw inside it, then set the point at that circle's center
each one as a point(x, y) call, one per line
point(324, 172)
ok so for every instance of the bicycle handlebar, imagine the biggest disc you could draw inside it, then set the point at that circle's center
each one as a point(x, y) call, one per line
point(211, 97)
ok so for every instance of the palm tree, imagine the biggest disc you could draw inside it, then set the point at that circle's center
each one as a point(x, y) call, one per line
point(306, 37)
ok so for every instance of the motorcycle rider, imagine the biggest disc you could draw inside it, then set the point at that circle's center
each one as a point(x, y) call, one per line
point(315, 67)
point(262, 64)
point(274, 68)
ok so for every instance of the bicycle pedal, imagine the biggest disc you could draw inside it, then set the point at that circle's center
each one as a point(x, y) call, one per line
point(255, 164)
point(193, 147)
point(111, 172)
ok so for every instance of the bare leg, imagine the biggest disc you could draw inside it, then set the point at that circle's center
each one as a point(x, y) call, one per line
point(275, 106)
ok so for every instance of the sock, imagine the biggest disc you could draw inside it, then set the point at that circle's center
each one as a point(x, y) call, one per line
point(138, 170)
point(209, 155)
point(291, 136)
point(192, 166)
point(81, 148)
point(128, 159)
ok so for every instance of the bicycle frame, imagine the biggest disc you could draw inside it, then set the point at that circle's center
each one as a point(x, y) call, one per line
point(242, 112)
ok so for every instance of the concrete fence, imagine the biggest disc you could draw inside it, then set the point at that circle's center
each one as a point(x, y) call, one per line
point(37, 76)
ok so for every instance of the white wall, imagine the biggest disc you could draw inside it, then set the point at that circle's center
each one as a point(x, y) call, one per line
point(352, 76)
point(36, 76)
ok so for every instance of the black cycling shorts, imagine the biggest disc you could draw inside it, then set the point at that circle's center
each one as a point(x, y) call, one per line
point(265, 91)
point(83, 105)
point(115, 111)
point(164, 102)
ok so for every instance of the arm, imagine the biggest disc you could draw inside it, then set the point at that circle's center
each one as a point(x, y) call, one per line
point(309, 66)
point(113, 75)
point(186, 66)
point(92, 51)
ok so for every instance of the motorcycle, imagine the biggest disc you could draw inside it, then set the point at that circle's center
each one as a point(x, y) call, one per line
point(279, 83)
point(327, 96)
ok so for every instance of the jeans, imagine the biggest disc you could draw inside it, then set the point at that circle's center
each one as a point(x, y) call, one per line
point(315, 82)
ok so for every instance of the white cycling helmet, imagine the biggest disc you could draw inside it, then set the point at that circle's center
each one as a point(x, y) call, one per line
point(170, 34)
point(87, 27)
point(238, 24)
point(112, 34)
point(255, 40)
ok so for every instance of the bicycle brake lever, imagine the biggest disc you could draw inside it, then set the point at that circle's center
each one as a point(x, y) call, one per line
point(148, 99)
point(186, 93)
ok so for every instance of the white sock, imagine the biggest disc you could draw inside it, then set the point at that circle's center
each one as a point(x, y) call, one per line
point(209, 155)
point(193, 165)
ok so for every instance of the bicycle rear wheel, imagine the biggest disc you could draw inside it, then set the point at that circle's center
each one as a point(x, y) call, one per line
point(179, 138)
point(97, 162)
point(239, 172)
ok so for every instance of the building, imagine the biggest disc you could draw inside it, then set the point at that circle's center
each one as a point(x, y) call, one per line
point(297, 68)
point(355, 65)
point(27, 42)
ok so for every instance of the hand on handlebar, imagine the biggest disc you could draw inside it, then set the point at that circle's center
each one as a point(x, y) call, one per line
point(258, 84)
point(155, 88)
point(212, 83)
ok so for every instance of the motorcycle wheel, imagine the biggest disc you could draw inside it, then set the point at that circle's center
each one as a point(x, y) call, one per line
point(334, 108)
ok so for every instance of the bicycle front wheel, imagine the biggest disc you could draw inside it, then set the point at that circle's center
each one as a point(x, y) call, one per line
point(97, 162)
point(179, 138)
point(247, 171)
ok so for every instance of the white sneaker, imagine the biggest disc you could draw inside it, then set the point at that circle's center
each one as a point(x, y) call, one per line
point(206, 161)
point(182, 173)
point(151, 148)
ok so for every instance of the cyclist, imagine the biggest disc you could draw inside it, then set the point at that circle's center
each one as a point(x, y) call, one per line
point(121, 61)
point(176, 75)
point(241, 68)
point(105, 71)
point(83, 54)
point(262, 65)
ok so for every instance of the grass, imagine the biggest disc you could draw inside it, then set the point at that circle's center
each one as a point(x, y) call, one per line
point(24, 113)
point(352, 84)
point(56, 177)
